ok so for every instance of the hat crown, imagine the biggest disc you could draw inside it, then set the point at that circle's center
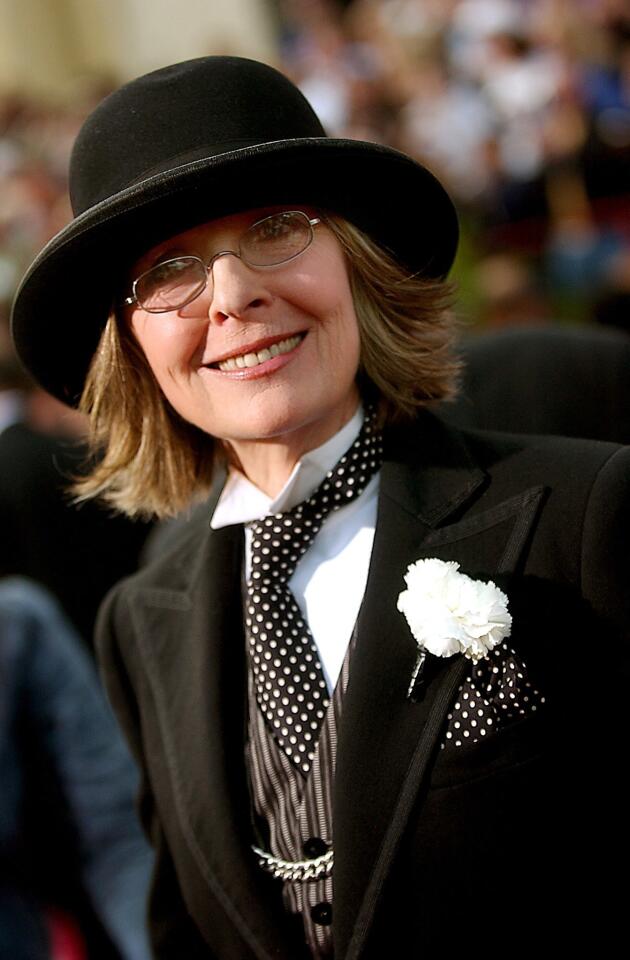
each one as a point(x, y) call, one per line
point(181, 113)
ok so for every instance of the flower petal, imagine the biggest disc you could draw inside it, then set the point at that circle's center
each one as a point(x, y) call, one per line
point(448, 612)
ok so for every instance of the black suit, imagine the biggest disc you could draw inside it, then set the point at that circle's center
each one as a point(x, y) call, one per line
point(434, 850)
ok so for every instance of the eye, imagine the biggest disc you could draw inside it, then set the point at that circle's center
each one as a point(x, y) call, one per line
point(277, 225)
point(171, 284)
point(276, 239)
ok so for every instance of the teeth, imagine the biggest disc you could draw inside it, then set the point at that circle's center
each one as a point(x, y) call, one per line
point(253, 359)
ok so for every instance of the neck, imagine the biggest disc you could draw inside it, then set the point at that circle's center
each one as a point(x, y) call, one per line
point(269, 463)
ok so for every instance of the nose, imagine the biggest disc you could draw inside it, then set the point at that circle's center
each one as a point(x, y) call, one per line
point(236, 289)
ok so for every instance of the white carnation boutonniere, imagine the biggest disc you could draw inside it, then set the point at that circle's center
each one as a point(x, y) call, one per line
point(448, 612)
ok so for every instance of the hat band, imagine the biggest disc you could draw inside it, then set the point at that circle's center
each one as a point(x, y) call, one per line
point(204, 153)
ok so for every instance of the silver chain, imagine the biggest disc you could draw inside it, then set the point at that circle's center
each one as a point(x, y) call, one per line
point(314, 869)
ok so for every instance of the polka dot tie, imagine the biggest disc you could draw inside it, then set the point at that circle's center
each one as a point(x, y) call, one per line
point(290, 686)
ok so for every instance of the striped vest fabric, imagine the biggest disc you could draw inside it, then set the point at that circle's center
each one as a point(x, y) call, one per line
point(298, 810)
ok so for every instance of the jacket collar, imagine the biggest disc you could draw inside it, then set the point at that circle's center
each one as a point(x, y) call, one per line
point(429, 470)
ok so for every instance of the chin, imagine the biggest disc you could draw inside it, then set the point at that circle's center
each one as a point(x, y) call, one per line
point(270, 426)
point(303, 420)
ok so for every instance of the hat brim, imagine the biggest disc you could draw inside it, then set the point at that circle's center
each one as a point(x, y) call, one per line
point(64, 300)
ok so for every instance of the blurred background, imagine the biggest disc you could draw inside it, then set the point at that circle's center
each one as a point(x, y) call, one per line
point(521, 107)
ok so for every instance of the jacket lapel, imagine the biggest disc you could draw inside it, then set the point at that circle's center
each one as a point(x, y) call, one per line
point(387, 743)
point(193, 647)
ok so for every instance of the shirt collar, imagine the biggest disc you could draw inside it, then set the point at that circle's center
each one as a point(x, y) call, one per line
point(241, 501)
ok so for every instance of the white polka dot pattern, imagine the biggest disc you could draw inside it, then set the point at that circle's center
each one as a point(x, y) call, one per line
point(290, 686)
point(496, 693)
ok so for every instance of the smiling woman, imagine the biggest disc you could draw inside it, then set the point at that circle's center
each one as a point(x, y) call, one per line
point(210, 355)
point(275, 303)
point(403, 359)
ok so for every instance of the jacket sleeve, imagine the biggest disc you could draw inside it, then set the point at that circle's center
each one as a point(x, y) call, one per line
point(603, 671)
point(605, 570)
point(172, 931)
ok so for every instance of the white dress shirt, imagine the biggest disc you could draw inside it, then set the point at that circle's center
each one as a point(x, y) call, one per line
point(329, 580)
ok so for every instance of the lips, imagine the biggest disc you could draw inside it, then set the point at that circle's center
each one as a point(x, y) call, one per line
point(254, 358)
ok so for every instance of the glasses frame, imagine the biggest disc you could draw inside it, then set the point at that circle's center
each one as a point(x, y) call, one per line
point(312, 222)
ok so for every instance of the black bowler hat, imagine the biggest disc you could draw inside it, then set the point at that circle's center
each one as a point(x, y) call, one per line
point(187, 144)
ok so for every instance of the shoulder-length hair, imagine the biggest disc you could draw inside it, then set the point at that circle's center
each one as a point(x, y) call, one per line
point(149, 461)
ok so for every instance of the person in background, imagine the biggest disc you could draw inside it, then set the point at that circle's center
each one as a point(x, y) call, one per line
point(67, 821)
point(77, 553)
point(377, 690)
point(570, 381)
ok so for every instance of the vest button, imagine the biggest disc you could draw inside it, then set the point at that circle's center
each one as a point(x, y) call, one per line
point(314, 847)
point(322, 913)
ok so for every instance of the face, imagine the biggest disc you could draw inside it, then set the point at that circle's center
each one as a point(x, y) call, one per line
point(294, 323)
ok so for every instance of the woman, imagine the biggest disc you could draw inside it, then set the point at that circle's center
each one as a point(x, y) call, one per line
point(277, 307)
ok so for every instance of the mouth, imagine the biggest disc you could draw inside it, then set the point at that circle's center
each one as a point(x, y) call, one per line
point(254, 358)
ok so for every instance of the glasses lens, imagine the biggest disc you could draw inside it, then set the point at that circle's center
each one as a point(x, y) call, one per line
point(276, 239)
point(171, 284)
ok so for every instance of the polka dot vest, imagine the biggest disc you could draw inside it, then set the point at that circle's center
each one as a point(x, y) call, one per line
point(289, 682)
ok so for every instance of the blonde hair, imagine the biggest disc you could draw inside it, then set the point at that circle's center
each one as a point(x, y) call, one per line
point(407, 328)
point(149, 461)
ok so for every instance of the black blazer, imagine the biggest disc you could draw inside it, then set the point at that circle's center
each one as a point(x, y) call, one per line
point(505, 843)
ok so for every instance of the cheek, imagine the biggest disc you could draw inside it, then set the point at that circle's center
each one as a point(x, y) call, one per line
point(332, 302)
point(345, 341)
point(343, 337)
point(168, 347)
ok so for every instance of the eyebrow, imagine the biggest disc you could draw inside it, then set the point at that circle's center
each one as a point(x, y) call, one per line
point(172, 253)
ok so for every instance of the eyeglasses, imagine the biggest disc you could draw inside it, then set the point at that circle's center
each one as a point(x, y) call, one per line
point(267, 243)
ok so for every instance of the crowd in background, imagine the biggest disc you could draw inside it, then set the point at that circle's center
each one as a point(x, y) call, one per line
point(521, 107)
